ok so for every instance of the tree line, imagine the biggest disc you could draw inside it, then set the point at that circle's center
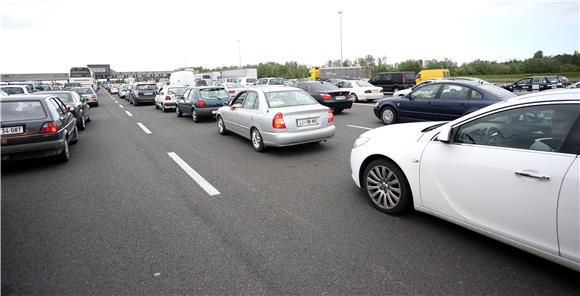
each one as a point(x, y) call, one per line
point(538, 63)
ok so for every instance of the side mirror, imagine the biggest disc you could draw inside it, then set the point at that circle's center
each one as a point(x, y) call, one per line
point(444, 134)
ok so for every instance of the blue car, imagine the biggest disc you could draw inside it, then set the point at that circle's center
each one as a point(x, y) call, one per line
point(440, 101)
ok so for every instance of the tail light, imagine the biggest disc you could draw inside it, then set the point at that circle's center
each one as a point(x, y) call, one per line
point(330, 116)
point(325, 97)
point(231, 92)
point(93, 96)
point(278, 121)
point(167, 98)
point(200, 103)
point(48, 128)
point(368, 91)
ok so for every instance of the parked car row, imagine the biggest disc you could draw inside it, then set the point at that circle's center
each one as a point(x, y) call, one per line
point(538, 83)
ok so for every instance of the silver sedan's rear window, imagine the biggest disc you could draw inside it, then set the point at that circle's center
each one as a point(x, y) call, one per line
point(25, 110)
point(280, 99)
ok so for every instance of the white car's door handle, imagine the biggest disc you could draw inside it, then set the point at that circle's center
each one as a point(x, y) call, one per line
point(532, 175)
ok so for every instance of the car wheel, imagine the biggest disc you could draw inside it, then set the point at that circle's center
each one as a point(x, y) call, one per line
point(75, 137)
point(97, 104)
point(82, 123)
point(135, 103)
point(257, 141)
point(221, 126)
point(355, 97)
point(178, 112)
point(156, 106)
point(163, 108)
point(194, 115)
point(388, 115)
point(64, 155)
point(386, 187)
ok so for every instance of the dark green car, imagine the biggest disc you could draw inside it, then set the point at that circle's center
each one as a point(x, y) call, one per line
point(202, 102)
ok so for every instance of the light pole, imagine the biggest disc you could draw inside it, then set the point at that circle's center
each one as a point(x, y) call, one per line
point(239, 54)
point(340, 16)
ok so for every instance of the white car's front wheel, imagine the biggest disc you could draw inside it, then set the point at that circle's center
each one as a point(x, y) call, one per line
point(387, 187)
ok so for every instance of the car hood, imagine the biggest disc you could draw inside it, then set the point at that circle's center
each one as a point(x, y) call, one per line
point(407, 132)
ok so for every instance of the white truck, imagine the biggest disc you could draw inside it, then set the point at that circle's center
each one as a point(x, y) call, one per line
point(185, 78)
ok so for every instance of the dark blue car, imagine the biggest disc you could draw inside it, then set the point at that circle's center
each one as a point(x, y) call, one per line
point(441, 100)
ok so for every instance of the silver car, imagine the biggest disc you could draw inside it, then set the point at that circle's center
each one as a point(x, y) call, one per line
point(277, 116)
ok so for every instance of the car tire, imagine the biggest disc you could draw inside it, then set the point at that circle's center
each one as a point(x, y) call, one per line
point(221, 126)
point(178, 112)
point(82, 123)
point(64, 155)
point(257, 141)
point(387, 187)
point(135, 103)
point(338, 110)
point(75, 137)
point(156, 106)
point(388, 115)
point(355, 97)
point(96, 104)
point(163, 109)
point(194, 115)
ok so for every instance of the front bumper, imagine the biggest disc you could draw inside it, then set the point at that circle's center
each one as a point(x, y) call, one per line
point(296, 138)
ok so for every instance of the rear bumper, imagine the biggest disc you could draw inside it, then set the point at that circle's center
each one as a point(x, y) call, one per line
point(32, 150)
point(346, 104)
point(206, 112)
point(301, 137)
point(368, 97)
point(140, 100)
point(169, 104)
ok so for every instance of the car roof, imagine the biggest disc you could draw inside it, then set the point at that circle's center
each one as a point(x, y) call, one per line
point(26, 97)
point(54, 92)
point(565, 94)
point(275, 88)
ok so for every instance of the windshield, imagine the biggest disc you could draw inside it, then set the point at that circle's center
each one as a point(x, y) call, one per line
point(326, 86)
point(13, 90)
point(27, 110)
point(214, 93)
point(177, 90)
point(146, 87)
point(234, 85)
point(289, 98)
point(84, 91)
point(498, 91)
point(363, 83)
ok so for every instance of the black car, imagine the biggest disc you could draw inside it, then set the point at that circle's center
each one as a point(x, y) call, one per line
point(82, 110)
point(202, 102)
point(142, 93)
point(440, 100)
point(534, 83)
point(36, 126)
point(393, 81)
point(327, 94)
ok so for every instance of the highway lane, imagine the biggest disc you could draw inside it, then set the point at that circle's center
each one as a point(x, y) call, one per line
point(286, 221)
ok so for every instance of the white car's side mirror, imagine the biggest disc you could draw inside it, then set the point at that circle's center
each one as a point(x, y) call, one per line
point(444, 134)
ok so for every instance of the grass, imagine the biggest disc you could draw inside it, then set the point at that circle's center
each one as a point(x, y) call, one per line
point(573, 76)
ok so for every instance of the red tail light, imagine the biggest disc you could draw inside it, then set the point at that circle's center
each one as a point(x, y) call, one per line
point(93, 96)
point(278, 121)
point(48, 128)
point(330, 116)
point(167, 98)
point(200, 103)
point(231, 92)
point(325, 97)
point(368, 91)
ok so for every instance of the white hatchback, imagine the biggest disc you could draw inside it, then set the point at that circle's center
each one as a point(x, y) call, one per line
point(168, 95)
point(509, 171)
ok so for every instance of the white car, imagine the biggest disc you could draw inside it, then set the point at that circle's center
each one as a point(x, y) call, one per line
point(510, 171)
point(232, 88)
point(15, 89)
point(247, 81)
point(406, 91)
point(361, 90)
point(270, 81)
point(166, 98)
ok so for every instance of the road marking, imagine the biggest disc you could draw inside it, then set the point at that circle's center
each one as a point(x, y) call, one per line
point(121, 106)
point(361, 127)
point(116, 102)
point(194, 175)
point(129, 113)
point(361, 104)
point(145, 129)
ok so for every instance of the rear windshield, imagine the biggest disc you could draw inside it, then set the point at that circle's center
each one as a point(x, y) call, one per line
point(74, 84)
point(200, 83)
point(234, 85)
point(323, 86)
point(289, 98)
point(363, 83)
point(276, 81)
point(27, 110)
point(64, 97)
point(177, 90)
point(498, 91)
point(211, 93)
point(13, 90)
point(84, 91)
point(553, 79)
point(146, 86)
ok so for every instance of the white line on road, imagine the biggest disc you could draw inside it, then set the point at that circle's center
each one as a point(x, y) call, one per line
point(194, 175)
point(361, 127)
point(145, 129)
point(121, 106)
point(129, 113)
point(116, 102)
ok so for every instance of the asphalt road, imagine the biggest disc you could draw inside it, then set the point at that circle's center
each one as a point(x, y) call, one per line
point(122, 217)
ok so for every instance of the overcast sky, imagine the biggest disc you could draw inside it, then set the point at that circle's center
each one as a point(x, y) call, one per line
point(41, 36)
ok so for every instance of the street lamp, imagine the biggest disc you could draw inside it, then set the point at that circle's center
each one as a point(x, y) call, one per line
point(239, 54)
point(340, 16)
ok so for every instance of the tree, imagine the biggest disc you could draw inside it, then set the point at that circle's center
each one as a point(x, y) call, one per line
point(538, 55)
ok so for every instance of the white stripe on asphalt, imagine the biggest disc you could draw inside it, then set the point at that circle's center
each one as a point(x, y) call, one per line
point(361, 127)
point(194, 175)
point(145, 129)
point(129, 113)
point(121, 106)
point(116, 102)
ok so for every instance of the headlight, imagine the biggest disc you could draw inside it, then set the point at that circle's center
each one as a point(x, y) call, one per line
point(360, 141)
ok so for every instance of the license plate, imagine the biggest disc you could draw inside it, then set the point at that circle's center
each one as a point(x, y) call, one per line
point(214, 112)
point(148, 94)
point(12, 130)
point(338, 98)
point(307, 122)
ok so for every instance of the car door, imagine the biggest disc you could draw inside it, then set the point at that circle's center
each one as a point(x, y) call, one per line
point(63, 119)
point(452, 103)
point(493, 177)
point(523, 84)
point(419, 103)
point(231, 118)
point(246, 115)
point(181, 105)
point(568, 212)
point(538, 83)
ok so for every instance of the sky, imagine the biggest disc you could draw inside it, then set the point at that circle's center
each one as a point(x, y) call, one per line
point(42, 36)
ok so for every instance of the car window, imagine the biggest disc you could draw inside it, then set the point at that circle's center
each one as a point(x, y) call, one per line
point(289, 98)
point(454, 92)
point(524, 81)
point(497, 91)
point(146, 87)
point(84, 91)
point(26, 110)
point(428, 91)
point(213, 93)
point(340, 84)
point(321, 87)
point(251, 99)
point(176, 90)
point(348, 85)
point(240, 99)
point(542, 128)
point(13, 90)
point(475, 95)
point(538, 80)
point(386, 77)
point(54, 105)
point(409, 77)
point(363, 83)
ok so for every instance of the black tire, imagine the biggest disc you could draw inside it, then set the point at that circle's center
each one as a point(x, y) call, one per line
point(194, 116)
point(64, 155)
point(221, 126)
point(338, 110)
point(96, 104)
point(75, 137)
point(178, 112)
point(82, 123)
point(355, 97)
point(163, 109)
point(258, 143)
point(156, 106)
point(382, 184)
point(388, 115)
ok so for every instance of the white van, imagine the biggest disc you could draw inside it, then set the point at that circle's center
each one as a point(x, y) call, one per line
point(185, 78)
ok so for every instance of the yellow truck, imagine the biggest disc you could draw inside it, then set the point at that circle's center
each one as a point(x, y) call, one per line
point(432, 73)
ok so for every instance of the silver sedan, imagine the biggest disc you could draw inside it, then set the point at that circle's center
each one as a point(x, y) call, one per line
point(276, 116)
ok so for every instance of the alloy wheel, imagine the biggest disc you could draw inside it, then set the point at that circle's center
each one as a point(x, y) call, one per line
point(383, 187)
